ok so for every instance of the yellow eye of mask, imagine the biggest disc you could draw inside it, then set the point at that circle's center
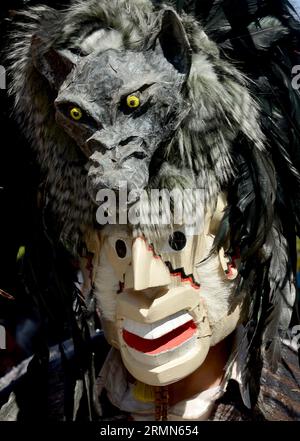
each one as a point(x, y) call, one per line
point(76, 113)
point(132, 101)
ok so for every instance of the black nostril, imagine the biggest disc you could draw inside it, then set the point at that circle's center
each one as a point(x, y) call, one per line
point(96, 146)
point(128, 140)
point(139, 155)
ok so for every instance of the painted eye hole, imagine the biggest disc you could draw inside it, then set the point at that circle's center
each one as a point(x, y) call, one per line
point(121, 249)
point(132, 101)
point(177, 241)
point(76, 113)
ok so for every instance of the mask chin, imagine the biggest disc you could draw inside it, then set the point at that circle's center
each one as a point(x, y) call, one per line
point(167, 368)
point(170, 366)
point(169, 372)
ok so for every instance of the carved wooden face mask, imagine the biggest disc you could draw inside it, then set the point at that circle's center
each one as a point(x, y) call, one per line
point(161, 304)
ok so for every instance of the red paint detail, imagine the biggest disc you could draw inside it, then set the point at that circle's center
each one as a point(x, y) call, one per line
point(229, 271)
point(186, 279)
point(168, 341)
point(232, 264)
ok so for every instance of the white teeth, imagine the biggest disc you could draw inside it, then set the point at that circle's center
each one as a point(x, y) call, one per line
point(155, 360)
point(157, 329)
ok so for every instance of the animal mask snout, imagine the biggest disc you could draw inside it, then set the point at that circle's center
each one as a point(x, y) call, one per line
point(117, 154)
point(125, 160)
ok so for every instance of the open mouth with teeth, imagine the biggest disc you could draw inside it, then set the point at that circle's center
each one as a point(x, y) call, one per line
point(161, 336)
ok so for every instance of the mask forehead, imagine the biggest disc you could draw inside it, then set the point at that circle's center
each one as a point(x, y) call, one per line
point(105, 76)
point(140, 264)
point(173, 257)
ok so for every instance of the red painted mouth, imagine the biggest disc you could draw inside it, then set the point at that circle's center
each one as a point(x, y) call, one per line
point(168, 341)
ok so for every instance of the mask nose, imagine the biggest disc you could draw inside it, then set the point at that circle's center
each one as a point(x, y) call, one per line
point(147, 270)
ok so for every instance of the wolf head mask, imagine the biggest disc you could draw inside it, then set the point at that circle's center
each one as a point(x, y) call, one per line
point(118, 105)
